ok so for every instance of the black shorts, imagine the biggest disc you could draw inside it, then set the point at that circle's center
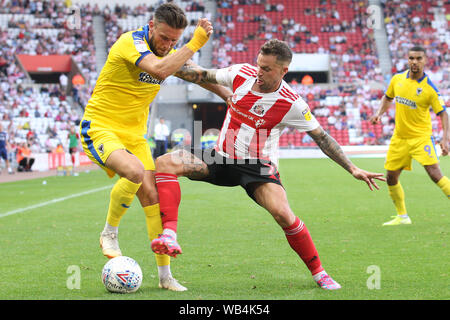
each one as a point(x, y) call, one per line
point(237, 172)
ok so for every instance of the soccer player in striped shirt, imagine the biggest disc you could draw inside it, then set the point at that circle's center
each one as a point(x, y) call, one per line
point(261, 106)
point(414, 94)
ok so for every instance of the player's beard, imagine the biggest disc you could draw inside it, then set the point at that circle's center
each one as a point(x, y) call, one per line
point(267, 87)
point(155, 49)
point(416, 70)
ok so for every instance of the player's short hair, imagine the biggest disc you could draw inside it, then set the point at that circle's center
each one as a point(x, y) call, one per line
point(172, 15)
point(277, 48)
point(417, 48)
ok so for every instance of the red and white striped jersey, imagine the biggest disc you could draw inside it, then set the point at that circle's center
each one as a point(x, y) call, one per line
point(254, 120)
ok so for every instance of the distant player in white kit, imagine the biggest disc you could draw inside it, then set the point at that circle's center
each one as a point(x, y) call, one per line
point(261, 106)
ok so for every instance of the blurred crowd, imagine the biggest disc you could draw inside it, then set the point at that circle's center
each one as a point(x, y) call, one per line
point(350, 60)
point(424, 23)
point(41, 116)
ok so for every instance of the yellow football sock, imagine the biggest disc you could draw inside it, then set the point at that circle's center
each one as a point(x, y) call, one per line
point(154, 228)
point(398, 197)
point(122, 195)
point(444, 184)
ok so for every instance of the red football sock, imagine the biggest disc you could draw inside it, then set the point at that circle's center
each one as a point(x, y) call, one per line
point(169, 199)
point(301, 242)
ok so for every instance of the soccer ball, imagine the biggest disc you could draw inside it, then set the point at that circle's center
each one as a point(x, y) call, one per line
point(122, 275)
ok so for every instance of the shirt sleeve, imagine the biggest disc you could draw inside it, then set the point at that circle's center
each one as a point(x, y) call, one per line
point(300, 117)
point(390, 90)
point(437, 102)
point(226, 76)
point(132, 47)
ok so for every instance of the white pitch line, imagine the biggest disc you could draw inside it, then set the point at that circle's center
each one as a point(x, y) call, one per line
point(42, 204)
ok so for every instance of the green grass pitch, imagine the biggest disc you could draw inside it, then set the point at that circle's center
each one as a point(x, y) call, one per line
point(232, 249)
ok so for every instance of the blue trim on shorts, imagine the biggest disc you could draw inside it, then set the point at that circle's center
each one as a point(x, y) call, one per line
point(85, 126)
point(434, 146)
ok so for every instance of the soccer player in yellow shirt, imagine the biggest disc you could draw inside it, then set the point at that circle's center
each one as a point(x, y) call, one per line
point(115, 121)
point(414, 94)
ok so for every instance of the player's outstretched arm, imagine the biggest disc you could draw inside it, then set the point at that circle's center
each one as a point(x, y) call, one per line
point(333, 150)
point(384, 106)
point(446, 132)
point(196, 74)
point(161, 68)
point(206, 78)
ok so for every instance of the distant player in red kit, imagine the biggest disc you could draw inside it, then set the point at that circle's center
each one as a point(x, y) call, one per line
point(261, 106)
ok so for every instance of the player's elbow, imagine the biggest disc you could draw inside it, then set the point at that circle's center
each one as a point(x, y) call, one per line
point(155, 70)
point(159, 74)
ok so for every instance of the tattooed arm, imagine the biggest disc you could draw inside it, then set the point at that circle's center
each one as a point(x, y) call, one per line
point(333, 150)
point(206, 78)
point(196, 74)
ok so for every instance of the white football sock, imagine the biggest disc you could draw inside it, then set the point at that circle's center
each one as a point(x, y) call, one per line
point(110, 229)
point(164, 272)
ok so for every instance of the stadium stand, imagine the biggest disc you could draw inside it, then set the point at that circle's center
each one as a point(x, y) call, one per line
point(40, 114)
point(423, 23)
point(337, 28)
point(317, 26)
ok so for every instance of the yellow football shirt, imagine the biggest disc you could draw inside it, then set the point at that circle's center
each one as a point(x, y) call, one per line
point(413, 99)
point(123, 92)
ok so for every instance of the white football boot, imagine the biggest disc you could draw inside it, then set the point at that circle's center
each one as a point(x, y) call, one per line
point(171, 283)
point(110, 244)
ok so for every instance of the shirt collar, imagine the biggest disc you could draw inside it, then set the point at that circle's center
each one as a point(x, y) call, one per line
point(146, 29)
point(418, 80)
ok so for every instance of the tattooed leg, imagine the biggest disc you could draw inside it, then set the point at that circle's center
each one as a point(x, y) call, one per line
point(182, 163)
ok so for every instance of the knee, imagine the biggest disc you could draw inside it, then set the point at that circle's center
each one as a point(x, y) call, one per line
point(284, 217)
point(391, 180)
point(135, 172)
point(162, 163)
point(166, 164)
point(148, 193)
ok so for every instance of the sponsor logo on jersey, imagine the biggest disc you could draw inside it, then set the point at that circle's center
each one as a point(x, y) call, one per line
point(145, 77)
point(409, 103)
point(258, 122)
